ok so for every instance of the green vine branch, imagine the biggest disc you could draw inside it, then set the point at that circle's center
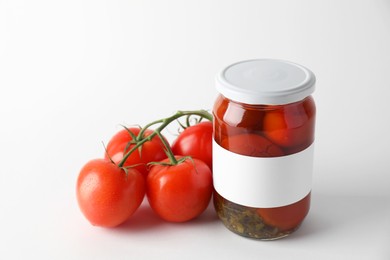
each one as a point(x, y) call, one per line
point(163, 123)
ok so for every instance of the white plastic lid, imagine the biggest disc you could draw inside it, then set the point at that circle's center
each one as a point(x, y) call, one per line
point(265, 81)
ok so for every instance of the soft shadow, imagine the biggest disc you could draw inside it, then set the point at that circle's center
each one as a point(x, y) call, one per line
point(331, 211)
point(145, 219)
point(209, 216)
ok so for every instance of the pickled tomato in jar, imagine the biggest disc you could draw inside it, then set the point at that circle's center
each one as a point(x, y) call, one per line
point(263, 143)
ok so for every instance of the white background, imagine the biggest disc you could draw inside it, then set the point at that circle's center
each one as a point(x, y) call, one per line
point(72, 71)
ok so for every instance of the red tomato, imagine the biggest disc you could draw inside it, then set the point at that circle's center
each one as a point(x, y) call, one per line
point(195, 141)
point(251, 145)
point(291, 125)
point(287, 217)
point(180, 192)
point(151, 151)
point(106, 194)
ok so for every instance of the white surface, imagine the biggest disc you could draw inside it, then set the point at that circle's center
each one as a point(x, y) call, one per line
point(262, 182)
point(72, 71)
point(265, 81)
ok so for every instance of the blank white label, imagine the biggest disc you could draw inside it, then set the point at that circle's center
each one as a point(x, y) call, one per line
point(262, 182)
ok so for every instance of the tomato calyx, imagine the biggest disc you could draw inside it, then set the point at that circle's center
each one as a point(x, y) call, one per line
point(174, 161)
point(124, 168)
point(163, 123)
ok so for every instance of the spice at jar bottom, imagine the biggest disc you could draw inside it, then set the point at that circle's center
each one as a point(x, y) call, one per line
point(264, 121)
point(261, 223)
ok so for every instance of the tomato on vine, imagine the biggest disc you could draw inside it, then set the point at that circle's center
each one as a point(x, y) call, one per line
point(195, 141)
point(179, 192)
point(126, 139)
point(107, 194)
point(110, 190)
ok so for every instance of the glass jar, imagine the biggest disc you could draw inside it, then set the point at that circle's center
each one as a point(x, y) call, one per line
point(264, 121)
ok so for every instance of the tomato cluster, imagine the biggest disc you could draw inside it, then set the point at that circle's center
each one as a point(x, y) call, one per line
point(176, 180)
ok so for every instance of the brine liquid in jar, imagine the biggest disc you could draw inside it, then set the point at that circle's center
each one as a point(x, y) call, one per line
point(264, 120)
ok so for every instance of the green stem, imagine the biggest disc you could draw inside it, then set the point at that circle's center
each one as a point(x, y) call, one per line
point(168, 150)
point(163, 123)
point(166, 121)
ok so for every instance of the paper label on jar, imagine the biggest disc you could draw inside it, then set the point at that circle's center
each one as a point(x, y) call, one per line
point(262, 182)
